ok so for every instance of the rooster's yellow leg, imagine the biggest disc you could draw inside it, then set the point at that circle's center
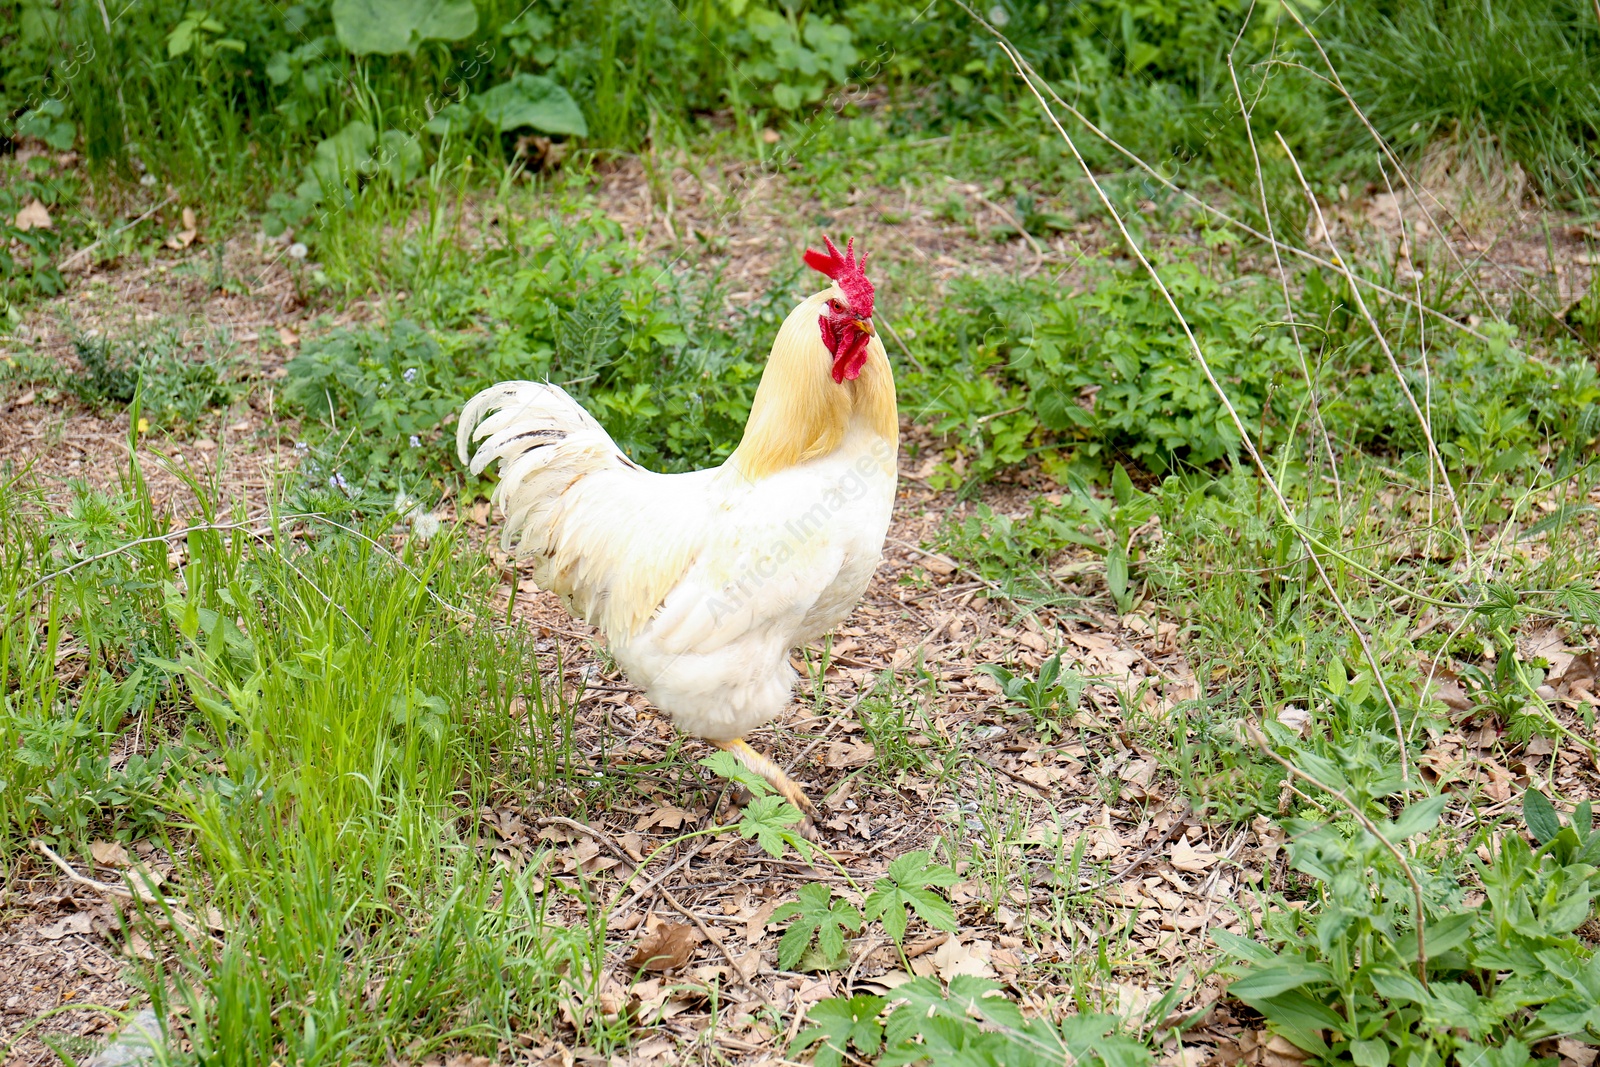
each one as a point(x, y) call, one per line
point(786, 786)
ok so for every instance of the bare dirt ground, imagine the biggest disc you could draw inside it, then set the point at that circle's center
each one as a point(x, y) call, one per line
point(967, 766)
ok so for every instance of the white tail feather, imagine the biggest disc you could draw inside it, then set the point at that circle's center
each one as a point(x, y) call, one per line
point(572, 503)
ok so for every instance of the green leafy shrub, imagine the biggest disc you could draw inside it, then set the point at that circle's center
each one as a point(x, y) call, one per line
point(974, 1023)
point(1345, 981)
point(30, 257)
point(175, 391)
point(1050, 697)
point(1493, 407)
point(1108, 374)
point(392, 389)
point(796, 56)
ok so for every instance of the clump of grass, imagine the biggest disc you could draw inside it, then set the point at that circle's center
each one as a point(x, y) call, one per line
point(327, 711)
point(1517, 79)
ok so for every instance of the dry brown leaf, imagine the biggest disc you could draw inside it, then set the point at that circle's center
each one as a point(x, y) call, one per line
point(34, 217)
point(1138, 772)
point(844, 754)
point(138, 948)
point(670, 945)
point(757, 926)
point(1447, 688)
point(650, 995)
point(79, 922)
point(666, 816)
point(1043, 777)
point(1186, 857)
point(181, 240)
point(1134, 1000)
point(1280, 1051)
point(1295, 718)
point(110, 854)
point(885, 982)
point(1576, 1053)
point(955, 958)
point(188, 218)
point(1034, 641)
point(146, 878)
point(288, 336)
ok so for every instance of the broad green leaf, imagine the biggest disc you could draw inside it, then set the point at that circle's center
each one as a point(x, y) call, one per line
point(840, 1024)
point(1272, 979)
point(1512, 1053)
point(726, 765)
point(1416, 819)
point(1399, 985)
point(1540, 815)
point(984, 999)
point(1300, 1018)
point(1370, 1053)
point(336, 160)
point(1117, 571)
point(1122, 489)
point(1571, 1015)
point(1438, 935)
point(531, 100)
point(815, 913)
point(398, 155)
point(389, 27)
point(913, 869)
point(905, 886)
point(925, 999)
point(1241, 946)
point(768, 820)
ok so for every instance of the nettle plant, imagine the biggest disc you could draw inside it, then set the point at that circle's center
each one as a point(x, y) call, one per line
point(1346, 976)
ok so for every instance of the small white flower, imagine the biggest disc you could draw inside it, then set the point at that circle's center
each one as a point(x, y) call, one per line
point(336, 481)
point(301, 446)
point(298, 250)
point(148, 180)
point(416, 442)
point(999, 16)
point(409, 374)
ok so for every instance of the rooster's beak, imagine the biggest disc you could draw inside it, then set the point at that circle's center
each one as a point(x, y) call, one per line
point(865, 326)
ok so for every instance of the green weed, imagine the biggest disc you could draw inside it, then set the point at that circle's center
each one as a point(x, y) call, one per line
point(1366, 976)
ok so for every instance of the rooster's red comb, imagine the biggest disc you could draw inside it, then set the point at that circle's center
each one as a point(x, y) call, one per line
point(846, 271)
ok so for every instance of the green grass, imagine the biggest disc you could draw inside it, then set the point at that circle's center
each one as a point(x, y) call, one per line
point(324, 706)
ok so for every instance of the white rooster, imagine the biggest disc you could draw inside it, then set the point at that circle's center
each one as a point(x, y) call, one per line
point(703, 582)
